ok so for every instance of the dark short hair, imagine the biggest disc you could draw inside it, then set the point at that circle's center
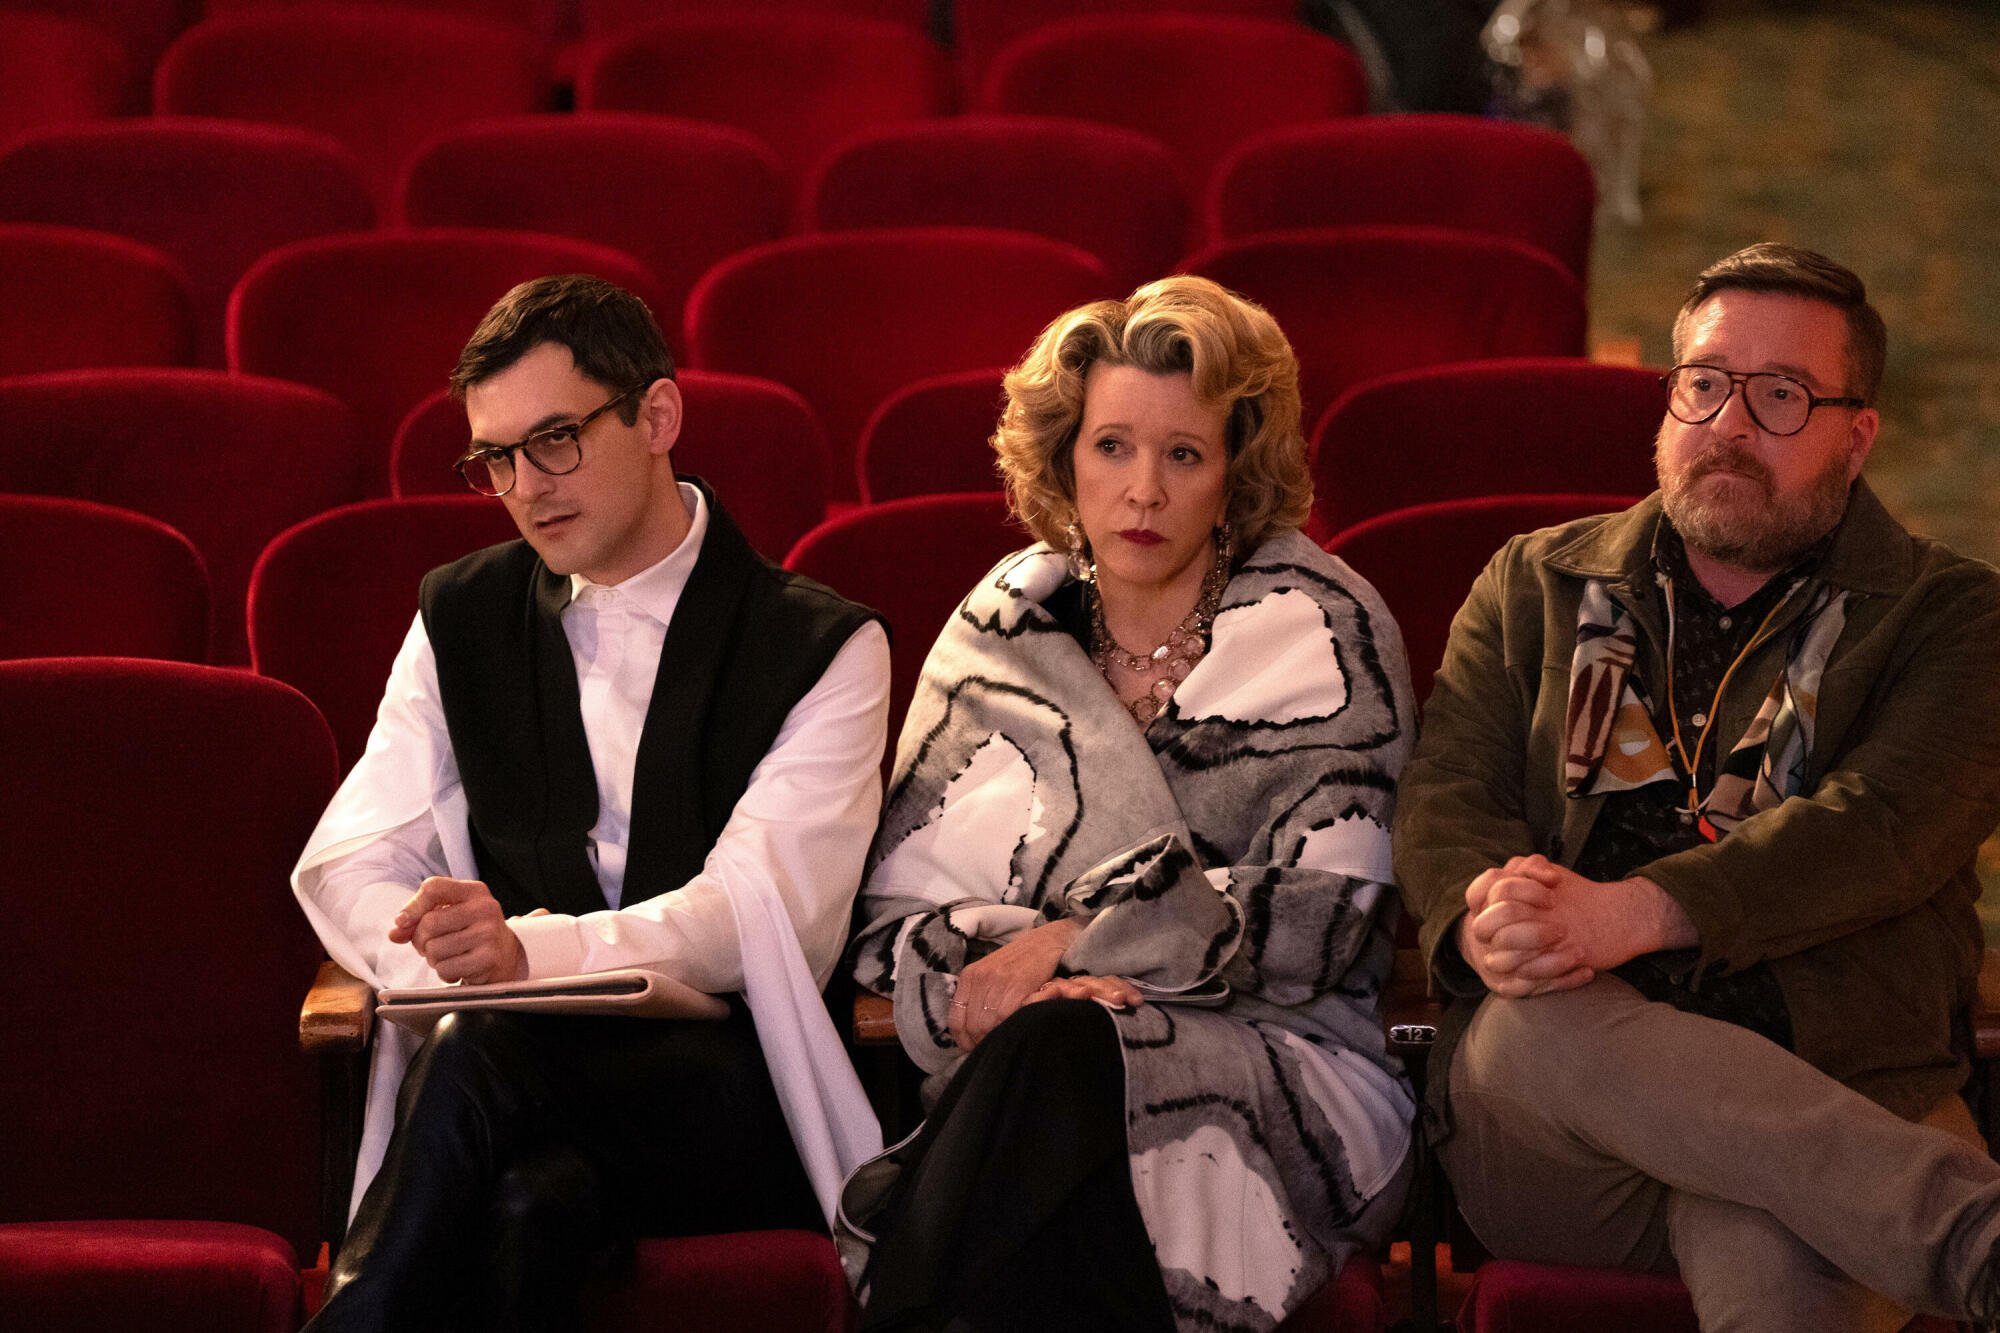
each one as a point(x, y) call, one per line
point(1771, 267)
point(609, 331)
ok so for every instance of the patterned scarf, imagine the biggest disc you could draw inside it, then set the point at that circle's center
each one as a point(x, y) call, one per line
point(1612, 742)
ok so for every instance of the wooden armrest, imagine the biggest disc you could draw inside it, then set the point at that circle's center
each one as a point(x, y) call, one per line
point(1986, 1009)
point(339, 1012)
point(874, 1020)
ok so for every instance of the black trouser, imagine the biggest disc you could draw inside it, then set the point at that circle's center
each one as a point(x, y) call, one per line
point(528, 1147)
point(1015, 1207)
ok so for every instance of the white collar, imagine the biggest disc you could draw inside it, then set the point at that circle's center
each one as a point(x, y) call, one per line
point(656, 589)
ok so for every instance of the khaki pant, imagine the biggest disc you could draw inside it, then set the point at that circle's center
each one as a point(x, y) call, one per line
point(1597, 1128)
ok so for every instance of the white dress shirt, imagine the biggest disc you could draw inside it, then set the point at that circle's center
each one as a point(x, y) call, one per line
point(775, 890)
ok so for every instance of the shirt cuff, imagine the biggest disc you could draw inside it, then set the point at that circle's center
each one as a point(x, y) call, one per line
point(551, 945)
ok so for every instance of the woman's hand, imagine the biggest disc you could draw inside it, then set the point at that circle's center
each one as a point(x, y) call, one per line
point(1114, 992)
point(995, 986)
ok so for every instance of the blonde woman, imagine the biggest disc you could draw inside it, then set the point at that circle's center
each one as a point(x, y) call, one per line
point(1130, 892)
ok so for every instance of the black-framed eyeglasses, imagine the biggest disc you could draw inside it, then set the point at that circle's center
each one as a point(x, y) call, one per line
point(555, 450)
point(1778, 403)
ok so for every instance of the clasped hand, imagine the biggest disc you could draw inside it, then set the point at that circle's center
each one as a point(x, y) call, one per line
point(1023, 971)
point(1532, 926)
point(462, 932)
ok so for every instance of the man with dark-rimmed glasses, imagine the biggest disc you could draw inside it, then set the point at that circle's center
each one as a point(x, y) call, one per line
point(625, 740)
point(1691, 830)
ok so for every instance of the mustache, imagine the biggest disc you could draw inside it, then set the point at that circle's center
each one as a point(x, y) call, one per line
point(1728, 460)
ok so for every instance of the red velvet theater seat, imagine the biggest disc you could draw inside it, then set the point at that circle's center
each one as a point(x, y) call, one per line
point(932, 437)
point(86, 1277)
point(1350, 1303)
point(1357, 302)
point(1494, 177)
point(914, 561)
point(211, 195)
point(332, 598)
point(1515, 425)
point(228, 460)
point(378, 320)
point(82, 580)
point(744, 1282)
point(676, 195)
point(848, 318)
point(380, 80)
point(85, 298)
point(1111, 191)
point(1513, 1297)
point(980, 28)
point(757, 443)
point(801, 81)
point(543, 20)
point(56, 70)
point(148, 1011)
point(604, 18)
point(1424, 559)
point(1199, 84)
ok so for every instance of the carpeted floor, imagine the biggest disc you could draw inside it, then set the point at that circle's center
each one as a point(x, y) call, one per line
point(1866, 129)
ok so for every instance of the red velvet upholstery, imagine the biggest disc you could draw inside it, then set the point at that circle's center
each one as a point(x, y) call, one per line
point(1107, 190)
point(1351, 1303)
point(758, 443)
point(982, 27)
point(544, 20)
point(79, 579)
point(379, 320)
point(914, 561)
point(676, 195)
point(229, 460)
point(1423, 559)
point(379, 80)
point(1198, 84)
point(137, 313)
point(150, 1015)
point(1489, 176)
point(1509, 1296)
point(744, 1282)
point(211, 195)
point(332, 598)
point(932, 437)
point(86, 1277)
point(602, 18)
point(1358, 302)
point(800, 81)
point(1484, 428)
point(55, 70)
point(848, 318)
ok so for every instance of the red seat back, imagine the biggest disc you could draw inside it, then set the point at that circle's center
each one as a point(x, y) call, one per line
point(1424, 559)
point(757, 443)
point(543, 20)
point(332, 598)
point(83, 298)
point(1357, 302)
point(84, 580)
point(848, 318)
point(1113, 192)
point(932, 437)
point(914, 561)
point(1199, 84)
point(228, 460)
point(380, 80)
point(211, 195)
point(56, 70)
point(1522, 424)
point(802, 81)
point(1495, 177)
point(676, 195)
point(604, 18)
point(151, 1012)
point(980, 28)
point(379, 320)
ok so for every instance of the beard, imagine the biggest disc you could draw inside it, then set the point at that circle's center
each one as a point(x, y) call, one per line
point(1745, 523)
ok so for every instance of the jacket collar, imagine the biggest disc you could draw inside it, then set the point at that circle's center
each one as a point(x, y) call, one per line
point(1871, 551)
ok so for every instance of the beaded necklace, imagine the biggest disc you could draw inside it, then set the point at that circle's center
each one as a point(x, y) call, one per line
point(1169, 663)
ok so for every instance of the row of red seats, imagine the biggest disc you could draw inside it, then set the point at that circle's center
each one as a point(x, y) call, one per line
point(383, 80)
point(234, 461)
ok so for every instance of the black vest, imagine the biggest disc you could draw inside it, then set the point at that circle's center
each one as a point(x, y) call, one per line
point(747, 642)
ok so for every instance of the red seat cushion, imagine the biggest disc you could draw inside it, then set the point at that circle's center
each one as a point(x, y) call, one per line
point(1351, 1303)
point(85, 1277)
point(743, 1282)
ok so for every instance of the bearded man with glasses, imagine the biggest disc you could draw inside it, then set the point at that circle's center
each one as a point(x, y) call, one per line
point(626, 740)
point(1692, 828)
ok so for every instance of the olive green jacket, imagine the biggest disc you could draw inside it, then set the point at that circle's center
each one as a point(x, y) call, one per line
point(1859, 892)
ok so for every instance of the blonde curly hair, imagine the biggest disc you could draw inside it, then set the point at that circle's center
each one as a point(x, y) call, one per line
point(1237, 359)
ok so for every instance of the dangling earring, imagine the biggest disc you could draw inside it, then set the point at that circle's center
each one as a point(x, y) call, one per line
point(1225, 547)
point(1081, 567)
